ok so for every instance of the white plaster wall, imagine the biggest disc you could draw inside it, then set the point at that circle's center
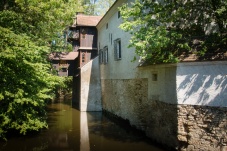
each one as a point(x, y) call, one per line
point(124, 68)
point(202, 83)
point(164, 89)
point(198, 83)
point(90, 87)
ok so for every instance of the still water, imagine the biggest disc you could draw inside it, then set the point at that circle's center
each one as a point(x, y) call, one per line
point(71, 130)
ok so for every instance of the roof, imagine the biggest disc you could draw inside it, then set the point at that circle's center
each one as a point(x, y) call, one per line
point(63, 55)
point(84, 20)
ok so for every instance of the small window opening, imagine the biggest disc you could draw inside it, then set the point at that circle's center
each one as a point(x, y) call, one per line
point(83, 57)
point(119, 14)
point(154, 77)
point(117, 49)
point(64, 69)
point(63, 62)
point(101, 56)
point(83, 33)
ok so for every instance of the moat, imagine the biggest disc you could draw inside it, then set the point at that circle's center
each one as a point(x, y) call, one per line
point(71, 130)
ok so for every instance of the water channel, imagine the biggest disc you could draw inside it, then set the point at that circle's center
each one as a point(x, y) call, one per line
point(71, 130)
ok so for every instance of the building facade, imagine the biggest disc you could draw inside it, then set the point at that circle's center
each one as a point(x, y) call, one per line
point(180, 105)
point(64, 63)
point(86, 82)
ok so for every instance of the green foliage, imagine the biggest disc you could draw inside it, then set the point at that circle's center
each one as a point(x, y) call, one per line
point(42, 20)
point(164, 30)
point(68, 81)
point(27, 28)
point(25, 83)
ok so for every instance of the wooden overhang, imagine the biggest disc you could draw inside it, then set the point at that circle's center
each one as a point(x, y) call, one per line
point(63, 55)
point(84, 20)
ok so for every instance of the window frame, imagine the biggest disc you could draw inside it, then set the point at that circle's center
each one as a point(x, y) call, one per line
point(117, 49)
point(105, 55)
point(101, 56)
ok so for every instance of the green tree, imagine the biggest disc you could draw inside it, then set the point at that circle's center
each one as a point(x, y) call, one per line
point(164, 30)
point(27, 28)
point(42, 20)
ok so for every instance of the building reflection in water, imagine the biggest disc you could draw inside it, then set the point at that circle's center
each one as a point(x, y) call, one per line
point(72, 130)
point(84, 134)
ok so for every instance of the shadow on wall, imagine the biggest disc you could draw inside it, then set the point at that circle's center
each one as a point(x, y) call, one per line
point(202, 85)
point(204, 89)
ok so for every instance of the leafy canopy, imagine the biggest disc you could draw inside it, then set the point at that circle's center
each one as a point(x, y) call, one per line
point(168, 31)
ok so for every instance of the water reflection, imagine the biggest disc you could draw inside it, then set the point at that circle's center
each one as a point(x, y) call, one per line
point(71, 130)
point(84, 135)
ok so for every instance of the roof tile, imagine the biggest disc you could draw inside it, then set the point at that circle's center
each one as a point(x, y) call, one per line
point(84, 20)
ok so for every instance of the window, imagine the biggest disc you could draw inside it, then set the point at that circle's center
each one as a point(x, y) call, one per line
point(63, 69)
point(110, 38)
point(154, 77)
point(119, 14)
point(117, 49)
point(83, 57)
point(76, 34)
point(83, 31)
point(63, 62)
point(107, 26)
point(101, 56)
point(105, 55)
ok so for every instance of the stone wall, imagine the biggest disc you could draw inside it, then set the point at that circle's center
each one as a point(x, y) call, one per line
point(161, 123)
point(202, 128)
point(181, 127)
point(125, 98)
point(128, 99)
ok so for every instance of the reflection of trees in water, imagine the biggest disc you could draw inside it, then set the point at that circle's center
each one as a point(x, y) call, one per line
point(59, 140)
point(112, 127)
point(42, 147)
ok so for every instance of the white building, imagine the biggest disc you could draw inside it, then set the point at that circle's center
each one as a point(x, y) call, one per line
point(180, 105)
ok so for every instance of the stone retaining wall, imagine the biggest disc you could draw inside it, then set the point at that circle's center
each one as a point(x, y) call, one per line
point(125, 98)
point(202, 128)
point(188, 127)
point(183, 127)
point(128, 99)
